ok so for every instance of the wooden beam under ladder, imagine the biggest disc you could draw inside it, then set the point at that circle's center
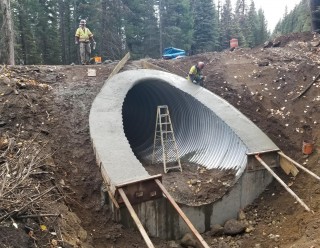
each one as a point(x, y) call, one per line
point(299, 166)
point(182, 214)
point(282, 182)
point(136, 218)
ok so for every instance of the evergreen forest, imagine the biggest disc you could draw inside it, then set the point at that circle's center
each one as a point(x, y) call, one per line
point(43, 30)
point(298, 20)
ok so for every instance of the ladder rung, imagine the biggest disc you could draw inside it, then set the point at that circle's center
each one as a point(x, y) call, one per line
point(161, 115)
point(159, 133)
point(163, 123)
point(173, 167)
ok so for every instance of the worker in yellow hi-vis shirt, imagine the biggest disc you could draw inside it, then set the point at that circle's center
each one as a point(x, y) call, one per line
point(84, 36)
point(195, 74)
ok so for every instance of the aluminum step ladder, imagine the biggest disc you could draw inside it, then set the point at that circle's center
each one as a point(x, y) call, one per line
point(164, 136)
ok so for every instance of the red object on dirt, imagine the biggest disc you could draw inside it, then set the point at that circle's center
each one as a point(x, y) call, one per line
point(307, 147)
point(234, 43)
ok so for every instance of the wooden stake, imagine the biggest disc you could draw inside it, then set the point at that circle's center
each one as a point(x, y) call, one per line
point(37, 216)
point(182, 214)
point(282, 183)
point(136, 218)
point(299, 165)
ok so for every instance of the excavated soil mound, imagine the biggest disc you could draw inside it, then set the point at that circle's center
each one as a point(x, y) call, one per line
point(195, 185)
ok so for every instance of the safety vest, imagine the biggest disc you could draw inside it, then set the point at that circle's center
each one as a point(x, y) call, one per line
point(195, 72)
point(83, 34)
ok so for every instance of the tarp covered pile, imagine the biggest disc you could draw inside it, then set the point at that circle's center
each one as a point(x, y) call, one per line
point(171, 53)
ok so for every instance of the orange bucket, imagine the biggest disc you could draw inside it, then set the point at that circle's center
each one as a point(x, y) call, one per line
point(234, 43)
point(307, 147)
point(97, 60)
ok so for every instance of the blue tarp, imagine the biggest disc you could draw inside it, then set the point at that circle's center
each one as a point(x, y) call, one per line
point(171, 53)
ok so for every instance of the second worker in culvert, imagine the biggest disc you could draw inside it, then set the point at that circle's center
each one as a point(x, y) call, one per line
point(84, 37)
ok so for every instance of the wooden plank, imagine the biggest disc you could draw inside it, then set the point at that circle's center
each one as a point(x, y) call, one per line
point(136, 219)
point(183, 216)
point(288, 167)
point(147, 65)
point(299, 165)
point(120, 65)
point(115, 203)
point(282, 183)
point(158, 176)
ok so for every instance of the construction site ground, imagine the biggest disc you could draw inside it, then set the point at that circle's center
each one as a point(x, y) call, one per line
point(44, 111)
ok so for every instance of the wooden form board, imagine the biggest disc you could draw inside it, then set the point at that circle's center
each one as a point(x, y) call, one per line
point(288, 167)
point(120, 65)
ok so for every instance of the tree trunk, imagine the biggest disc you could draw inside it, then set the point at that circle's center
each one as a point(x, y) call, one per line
point(8, 30)
point(63, 31)
point(21, 22)
point(315, 15)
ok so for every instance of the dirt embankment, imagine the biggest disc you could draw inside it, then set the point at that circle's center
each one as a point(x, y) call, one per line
point(44, 112)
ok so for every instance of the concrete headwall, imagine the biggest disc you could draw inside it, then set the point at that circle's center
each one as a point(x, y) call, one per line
point(161, 220)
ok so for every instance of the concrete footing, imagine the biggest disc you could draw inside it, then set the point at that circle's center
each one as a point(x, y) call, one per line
point(161, 220)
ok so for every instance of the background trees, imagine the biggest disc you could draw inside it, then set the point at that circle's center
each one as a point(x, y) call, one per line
point(205, 33)
point(7, 30)
point(42, 31)
point(298, 20)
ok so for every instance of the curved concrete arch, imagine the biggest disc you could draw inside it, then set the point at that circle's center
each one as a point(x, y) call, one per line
point(209, 131)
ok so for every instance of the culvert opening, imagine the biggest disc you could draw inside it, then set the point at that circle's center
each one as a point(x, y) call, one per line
point(202, 138)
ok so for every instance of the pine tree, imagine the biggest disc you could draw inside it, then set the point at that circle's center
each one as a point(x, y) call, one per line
point(47, 32)
point(239, 22)
point(176, 24)
point(141, 29)
point(66, 31)
point(262, 28)
point(251, 26)
point(111, 44)
point(226, 25)
point(298, 20)
point(205, 31)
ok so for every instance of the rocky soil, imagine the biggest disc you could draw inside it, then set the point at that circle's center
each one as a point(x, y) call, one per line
point(44, 127)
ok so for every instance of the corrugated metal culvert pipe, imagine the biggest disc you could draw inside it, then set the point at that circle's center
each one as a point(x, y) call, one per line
point(202, 137)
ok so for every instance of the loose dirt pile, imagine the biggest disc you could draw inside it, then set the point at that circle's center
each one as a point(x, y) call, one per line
point(44, 111)
point(195, 185)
